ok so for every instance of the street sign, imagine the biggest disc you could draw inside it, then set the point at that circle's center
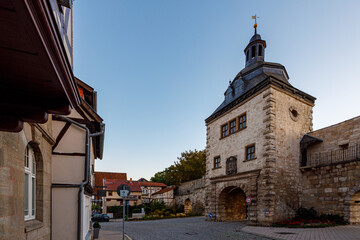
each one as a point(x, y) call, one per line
point(210, 215)
point(248, 200)
point(123, 187)
point(124, 193)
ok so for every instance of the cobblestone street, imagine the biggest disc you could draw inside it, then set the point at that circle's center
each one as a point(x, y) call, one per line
point(181, 228)
point(197, 228)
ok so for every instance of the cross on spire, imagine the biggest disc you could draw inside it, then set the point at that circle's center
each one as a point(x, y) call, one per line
point(255, 25)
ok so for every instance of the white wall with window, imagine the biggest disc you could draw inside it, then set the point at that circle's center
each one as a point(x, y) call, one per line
point(30, 184)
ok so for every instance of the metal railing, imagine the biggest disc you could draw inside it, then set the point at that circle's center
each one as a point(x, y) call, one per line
point(351, 153)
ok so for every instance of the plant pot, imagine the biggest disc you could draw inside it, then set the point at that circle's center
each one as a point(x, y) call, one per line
point(96, 232)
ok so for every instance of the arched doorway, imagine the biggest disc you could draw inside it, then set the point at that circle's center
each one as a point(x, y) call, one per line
point(355, 209)
point(187, 207)
point(232, 205)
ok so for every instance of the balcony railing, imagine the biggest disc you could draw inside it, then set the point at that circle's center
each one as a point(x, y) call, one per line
point(352, 153)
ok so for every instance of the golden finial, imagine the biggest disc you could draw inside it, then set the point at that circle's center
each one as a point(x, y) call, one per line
point(255, 25)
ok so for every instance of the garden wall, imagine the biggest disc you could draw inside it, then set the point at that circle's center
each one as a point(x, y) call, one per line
point(193, 191)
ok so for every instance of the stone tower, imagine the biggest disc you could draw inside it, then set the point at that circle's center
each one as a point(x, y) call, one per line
point(253, 143)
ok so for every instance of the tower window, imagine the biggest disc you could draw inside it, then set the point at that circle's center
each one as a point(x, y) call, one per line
point(260, 50)
point(250, 152)
point(233, 126)
point(242, 121)
point(217, 162)
point(247, 55)
point(224, 130)
point(253, 51)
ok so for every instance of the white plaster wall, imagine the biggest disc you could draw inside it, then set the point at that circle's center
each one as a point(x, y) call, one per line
point(68, 169)
point(64, 215)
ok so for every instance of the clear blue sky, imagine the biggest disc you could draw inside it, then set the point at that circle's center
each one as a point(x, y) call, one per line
point(161, 67)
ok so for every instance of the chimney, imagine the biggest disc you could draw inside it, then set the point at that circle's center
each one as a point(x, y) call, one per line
point(130, 180)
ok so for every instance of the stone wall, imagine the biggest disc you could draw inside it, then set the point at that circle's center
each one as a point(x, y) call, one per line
point(332, 189)
point(195, 192)
point(288, 118)
point(12, 152)
point(332, 185)
point(336, 136)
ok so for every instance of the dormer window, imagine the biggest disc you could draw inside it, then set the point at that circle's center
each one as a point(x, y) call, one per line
point(260, 51)
point(247, 55)
point(253, 51)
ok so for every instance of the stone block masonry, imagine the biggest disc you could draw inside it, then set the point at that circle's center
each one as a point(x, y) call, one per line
point(12, 153)
point(333, 189)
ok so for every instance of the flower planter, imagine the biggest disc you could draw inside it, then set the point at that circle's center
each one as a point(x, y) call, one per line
point(96, 232)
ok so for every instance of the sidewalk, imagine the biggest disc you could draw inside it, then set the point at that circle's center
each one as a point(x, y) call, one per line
point(349, 232)
point(113, 234)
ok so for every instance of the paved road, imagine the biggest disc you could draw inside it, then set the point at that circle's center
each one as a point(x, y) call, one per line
point(180, 228)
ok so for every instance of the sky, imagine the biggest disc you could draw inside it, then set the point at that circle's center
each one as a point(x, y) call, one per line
point(161, 67)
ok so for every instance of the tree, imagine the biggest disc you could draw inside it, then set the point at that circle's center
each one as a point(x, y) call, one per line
point(158, 177)
point(190, 166)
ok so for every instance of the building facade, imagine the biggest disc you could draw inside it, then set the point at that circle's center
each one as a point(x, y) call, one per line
point(253, 143)
point(260, 146)
point(38, 88)
point(148, 188)
point(79, 141)
point(99, 191)
point(112, 198)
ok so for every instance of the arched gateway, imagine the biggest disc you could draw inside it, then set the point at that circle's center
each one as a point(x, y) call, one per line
point(232, 205)
point(187, 207)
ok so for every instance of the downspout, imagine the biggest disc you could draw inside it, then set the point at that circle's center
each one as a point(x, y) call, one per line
point(87, 168)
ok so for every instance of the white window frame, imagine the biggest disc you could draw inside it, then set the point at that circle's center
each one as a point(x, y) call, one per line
point(30, 175)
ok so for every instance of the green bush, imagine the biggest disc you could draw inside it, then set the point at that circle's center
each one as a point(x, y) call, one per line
point(179, 208)
point(136, 210)
point(96, 225)
point(154, 205)
point(95, 207)
point(304, 213)
point(334, 218)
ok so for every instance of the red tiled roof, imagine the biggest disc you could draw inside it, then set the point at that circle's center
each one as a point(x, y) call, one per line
point(152, 184)
point(99, 176)
point(164, 190)
point(113, 184)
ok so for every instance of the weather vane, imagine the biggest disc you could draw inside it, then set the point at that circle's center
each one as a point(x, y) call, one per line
point(255, 25)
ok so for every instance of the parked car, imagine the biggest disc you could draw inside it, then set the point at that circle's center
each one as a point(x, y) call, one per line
point(100, 218)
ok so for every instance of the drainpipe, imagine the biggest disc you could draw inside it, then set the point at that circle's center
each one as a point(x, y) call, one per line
point(87, 168)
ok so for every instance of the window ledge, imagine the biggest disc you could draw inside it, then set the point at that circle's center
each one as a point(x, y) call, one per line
point(248, 160)
point(32, 225)
point(215, 168)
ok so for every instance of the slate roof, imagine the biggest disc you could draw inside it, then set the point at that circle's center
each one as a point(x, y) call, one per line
point(255, 37)
point(113, 184)
point(164, 190)
point(253, 79)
